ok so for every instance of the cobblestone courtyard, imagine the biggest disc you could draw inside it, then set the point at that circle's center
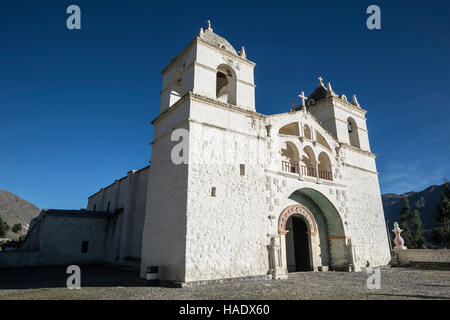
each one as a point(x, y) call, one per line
point(108, 283)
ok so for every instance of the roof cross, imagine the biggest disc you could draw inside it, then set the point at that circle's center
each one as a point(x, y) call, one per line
point(320, 81)
point(303, 97)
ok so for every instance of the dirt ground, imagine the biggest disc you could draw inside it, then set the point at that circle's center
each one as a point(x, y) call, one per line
point(99, 282)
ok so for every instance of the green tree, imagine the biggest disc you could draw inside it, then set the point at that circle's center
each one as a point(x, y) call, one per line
point(441, 231)
point(16, 228)
point(404, 222)
point(418, 240)
point(4, 228)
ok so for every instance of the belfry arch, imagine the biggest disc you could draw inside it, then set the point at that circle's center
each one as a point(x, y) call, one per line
point(226, 84)
point(325, 230)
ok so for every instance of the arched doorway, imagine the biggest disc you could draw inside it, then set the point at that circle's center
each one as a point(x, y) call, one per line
point(325, 236)
point(299, 239)
point(297, 245)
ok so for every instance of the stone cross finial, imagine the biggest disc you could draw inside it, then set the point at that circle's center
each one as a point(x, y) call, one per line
point(320, 81)
point(208, 22)
point(303, 97)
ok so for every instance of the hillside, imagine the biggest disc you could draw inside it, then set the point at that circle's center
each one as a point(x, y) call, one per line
point(425, 201)
point(14, 209)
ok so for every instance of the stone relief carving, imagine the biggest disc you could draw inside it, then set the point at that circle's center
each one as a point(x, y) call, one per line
point(296, 209)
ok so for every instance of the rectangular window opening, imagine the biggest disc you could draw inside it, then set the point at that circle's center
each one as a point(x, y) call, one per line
point(84, 246)
point(242, 169)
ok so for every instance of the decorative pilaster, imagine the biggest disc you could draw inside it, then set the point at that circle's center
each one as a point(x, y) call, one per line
point(275, 260)
point(317, 171)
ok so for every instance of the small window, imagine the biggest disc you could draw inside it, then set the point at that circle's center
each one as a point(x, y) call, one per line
point(95, 207)
point(213, 191)
point(84, 246)
point(109, 205)
point(242, 169)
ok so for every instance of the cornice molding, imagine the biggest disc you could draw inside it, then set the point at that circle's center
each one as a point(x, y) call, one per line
point(350, 147)
point(359, 168)
point(213, 102)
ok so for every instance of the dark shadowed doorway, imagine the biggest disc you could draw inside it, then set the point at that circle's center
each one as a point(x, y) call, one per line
point(297, 245)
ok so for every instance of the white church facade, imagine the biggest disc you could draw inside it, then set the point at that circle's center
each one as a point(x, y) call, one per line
point(231, 192)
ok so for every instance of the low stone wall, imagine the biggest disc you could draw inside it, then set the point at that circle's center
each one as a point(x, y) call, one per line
point(410, 256)
point(13, 259)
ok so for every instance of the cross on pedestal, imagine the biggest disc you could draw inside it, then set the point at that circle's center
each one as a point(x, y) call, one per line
point(303, 97)
point(320, 81)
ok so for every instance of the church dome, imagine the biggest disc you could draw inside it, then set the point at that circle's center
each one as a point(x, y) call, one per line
point(209, 36)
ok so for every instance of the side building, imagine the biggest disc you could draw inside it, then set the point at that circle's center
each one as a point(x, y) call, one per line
point(109, 231)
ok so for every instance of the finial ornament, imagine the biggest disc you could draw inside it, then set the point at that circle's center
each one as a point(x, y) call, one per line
point(201, 33)
point(208, 22)
point(243, 55)
point(320, 81)
point(329, 90)
point(355, 101)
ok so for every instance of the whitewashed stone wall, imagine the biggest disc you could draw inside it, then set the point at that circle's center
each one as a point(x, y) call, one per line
point(366, 217)
point(128, 194)
point(226, 234)
point(164, 233)
point(405, 257)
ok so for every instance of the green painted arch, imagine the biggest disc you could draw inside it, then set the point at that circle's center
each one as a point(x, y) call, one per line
point(316, 199)
point(321, 224)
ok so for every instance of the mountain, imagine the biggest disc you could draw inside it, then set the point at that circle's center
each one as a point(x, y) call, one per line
point(14, 209)
point(425, 201)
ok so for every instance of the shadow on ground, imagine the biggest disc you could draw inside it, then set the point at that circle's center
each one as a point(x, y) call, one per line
point(56, 277)
point(413, 296)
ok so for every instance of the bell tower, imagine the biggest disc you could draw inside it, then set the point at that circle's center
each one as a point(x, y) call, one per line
point(344, 119)
point(211, 67)
point(205, 85)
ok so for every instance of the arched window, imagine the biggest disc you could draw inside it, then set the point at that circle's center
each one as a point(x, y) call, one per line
point(289, 157)
point(226, 84)
point(290, 129)
point(308, 162)
point(324, 167)
point(321, 140)
point(352, 132)
point(307, 132)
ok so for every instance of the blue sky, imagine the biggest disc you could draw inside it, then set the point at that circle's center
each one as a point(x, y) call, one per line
point(76, 106)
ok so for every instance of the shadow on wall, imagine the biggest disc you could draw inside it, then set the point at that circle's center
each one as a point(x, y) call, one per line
point(56, 277)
